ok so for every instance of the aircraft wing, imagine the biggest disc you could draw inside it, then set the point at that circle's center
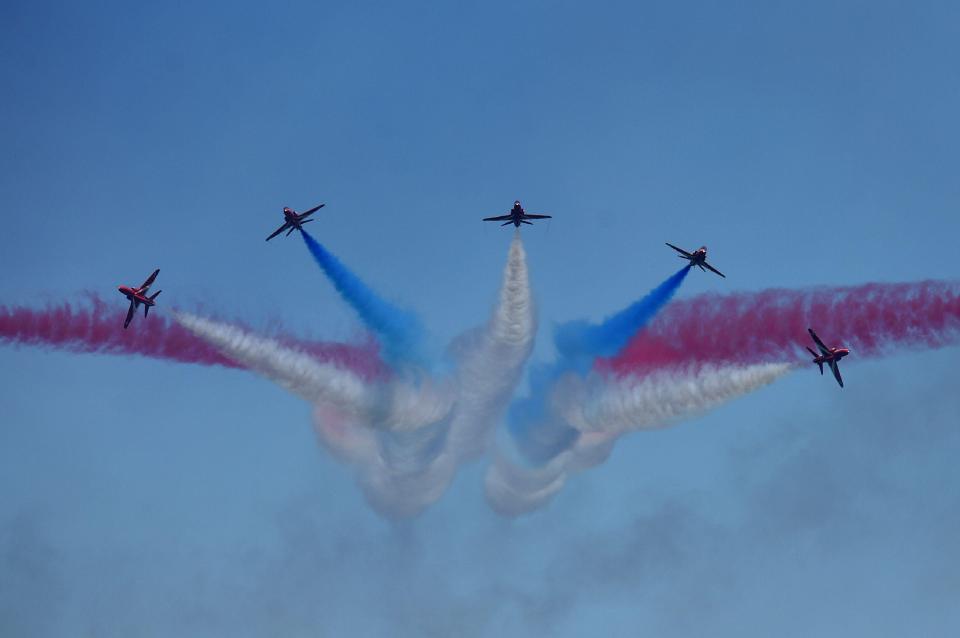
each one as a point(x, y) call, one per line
point(836, 372)
point(527, 216)
point(126, 322)
point(278, 231)
point(311, 211)
point(823, 348)
point(709, 267)
point(149, 281)
point(499, 218)
point(679, 250)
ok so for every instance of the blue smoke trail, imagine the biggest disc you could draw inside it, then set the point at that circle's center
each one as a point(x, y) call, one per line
point(399, 331)
point(578, 344)
point(577, 340)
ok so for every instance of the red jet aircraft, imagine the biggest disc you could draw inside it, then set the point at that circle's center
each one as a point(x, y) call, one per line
point(830, 356)
point(294, 221)
point(139, 296)
point(696, 258)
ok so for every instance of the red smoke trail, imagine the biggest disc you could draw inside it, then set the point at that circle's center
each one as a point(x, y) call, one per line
point(771, 325)
point(98, 328)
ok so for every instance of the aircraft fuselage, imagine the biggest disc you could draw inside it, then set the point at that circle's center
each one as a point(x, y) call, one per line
point(293, 218)
point(517, 213)
point(835, 355)
point(136, 296)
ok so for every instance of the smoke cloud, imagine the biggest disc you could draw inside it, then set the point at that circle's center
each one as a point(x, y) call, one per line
point(406, 426)
point(578, 345)
point(599, 410)
point(403, 473)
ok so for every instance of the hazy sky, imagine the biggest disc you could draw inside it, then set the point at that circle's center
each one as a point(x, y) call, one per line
point(805, 145)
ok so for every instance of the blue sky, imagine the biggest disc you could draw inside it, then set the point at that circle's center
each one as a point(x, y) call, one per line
point(804, 145)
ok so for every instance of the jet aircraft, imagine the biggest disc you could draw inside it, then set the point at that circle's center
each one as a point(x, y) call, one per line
point(696, 258)
point(294, 220)
point(139, 296)
point(516, 216)
point(830, 356)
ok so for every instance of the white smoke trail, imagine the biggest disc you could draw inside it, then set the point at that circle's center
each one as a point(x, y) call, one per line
point(490, 361)
point(341, 437)
point(405, 404)
point(293, 370)
point(656, 400)
point(394, 404)
point(392, 431)
point(401, 470)
point(512, 489)
point(604, 409)
point(398, 479)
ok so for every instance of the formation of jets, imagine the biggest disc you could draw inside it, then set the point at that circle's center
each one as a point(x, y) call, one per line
point(292, 220)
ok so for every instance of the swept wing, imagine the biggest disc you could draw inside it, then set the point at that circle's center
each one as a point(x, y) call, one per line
point(278, 231)
point(146, 284)
point(126, 322)
point(709, 267)
point(836, 372)
point(679, 250)
point(311, 211)
point(823, 349)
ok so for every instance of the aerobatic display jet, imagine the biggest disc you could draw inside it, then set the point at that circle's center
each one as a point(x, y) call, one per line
point(294, 220)
point(516, 216)
point(830, 356)
point(139, 296)
point(696, 258)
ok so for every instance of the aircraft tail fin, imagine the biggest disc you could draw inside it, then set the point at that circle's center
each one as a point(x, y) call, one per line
point(146, 306)
point(306, 221)
point(810, 350)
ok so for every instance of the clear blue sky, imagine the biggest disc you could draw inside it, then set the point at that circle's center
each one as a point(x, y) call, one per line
point(805, 144)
